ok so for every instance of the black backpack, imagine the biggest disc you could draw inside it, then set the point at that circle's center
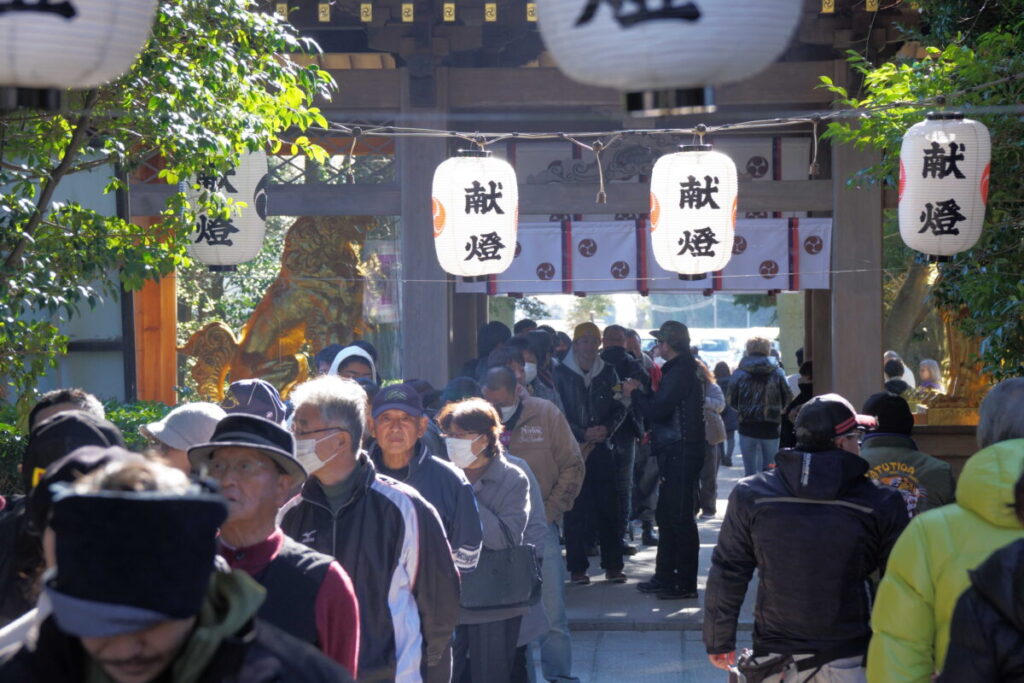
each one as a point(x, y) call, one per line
point(15, 547)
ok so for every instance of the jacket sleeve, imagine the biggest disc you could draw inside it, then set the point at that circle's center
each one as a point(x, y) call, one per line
point(660, 404)
point(946, 493)
point(972, 656)
point(732, 566)
point(511, 510)
point(566, 452)
point(564, 388)
point(714, 399)
point(436, 588)
point(337, 619)
point(467, 534)
point(903, 619)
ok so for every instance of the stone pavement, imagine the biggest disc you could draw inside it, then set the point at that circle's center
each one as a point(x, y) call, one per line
point(622, 634)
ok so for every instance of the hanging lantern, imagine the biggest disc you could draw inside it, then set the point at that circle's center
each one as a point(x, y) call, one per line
point(475, 208)
point(693, 211)
point(674, 46)
point(223, 243)
point(70, 43)
point(944, 172)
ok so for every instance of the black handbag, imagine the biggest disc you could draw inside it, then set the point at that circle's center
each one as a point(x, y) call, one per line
point(509, 577)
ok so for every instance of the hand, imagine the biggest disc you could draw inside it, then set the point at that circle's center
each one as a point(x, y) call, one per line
point(724, 661)
point(629, 386)
point(595, 434)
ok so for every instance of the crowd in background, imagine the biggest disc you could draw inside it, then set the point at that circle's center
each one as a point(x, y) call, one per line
point(373, 529)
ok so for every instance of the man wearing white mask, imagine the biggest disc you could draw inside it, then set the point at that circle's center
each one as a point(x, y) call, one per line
point(386, 536)
point(398, 425)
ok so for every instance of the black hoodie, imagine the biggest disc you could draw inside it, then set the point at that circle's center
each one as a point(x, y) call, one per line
point(986, 636)
point(816, 529)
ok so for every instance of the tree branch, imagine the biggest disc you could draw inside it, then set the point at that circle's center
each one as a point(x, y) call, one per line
point(49, 186)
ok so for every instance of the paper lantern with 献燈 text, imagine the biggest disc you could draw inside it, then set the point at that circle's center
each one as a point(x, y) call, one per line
point(70, 43)
point(223, 243)
point(693, 210)
point(475, 208)
point(944, 174)
point(658, 44)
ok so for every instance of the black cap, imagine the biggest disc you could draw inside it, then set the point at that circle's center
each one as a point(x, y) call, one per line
point(892, 411)
point(826, 417)
point(69, 469)
point(60, 434)
point(673, 333)
point(250, 431)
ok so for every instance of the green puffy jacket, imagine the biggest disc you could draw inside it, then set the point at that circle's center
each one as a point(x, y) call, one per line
point(927, 569)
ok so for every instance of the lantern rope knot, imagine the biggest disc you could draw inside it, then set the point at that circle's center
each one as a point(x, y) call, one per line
point(814, 169)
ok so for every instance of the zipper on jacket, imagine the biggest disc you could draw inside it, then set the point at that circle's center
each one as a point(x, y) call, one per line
point(867, 593)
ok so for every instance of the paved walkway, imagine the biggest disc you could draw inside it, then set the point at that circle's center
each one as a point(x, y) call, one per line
point(622, 634)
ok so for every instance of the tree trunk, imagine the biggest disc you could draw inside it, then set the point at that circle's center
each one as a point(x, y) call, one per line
point(909, 309)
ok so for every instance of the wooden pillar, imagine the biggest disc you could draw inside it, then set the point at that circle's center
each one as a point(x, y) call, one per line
point(856, 301)
point(426, 292)
point(818, 336)
point(156, 354)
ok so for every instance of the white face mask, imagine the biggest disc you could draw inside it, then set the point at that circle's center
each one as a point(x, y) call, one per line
point(305, 453)
point(530, 372)
point(461, 451)
point(508, 411)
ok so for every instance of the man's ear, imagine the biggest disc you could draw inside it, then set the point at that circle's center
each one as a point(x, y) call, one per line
point(421, 426)
point(371, 427)
point(286, 485)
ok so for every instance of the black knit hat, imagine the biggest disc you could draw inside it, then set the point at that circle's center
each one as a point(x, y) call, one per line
point(892, 411)
point(129, 560)
point(60, 434)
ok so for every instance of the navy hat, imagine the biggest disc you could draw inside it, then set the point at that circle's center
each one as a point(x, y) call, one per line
point(892, 411)
point(398, 397)
point(60, 434)
point(254, 397)
point(673, 333)
point(68, 469)
point(257, 433)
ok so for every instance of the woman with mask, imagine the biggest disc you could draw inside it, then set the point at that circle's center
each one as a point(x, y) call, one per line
point(485, 643)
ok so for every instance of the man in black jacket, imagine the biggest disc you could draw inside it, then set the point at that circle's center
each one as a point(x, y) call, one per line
point(816, 529)
point(587, 387)
point(676, 415)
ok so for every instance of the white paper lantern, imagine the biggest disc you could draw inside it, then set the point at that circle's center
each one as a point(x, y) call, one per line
point(475, 208)
point(224, 243)
point(70, 43)
point(693, 210)
point(651, 44)
point(944, 173)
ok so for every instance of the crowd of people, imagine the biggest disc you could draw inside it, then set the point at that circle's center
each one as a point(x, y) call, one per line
point(374, 530)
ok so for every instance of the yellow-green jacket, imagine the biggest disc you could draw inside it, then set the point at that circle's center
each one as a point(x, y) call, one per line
point(927, 569)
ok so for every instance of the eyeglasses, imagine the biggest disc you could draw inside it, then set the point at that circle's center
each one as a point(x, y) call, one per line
point(218, 469)
point(858, 435)
point(315, 431)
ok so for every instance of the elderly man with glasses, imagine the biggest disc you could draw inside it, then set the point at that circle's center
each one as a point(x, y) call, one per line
point(383, 532)
point(309, 595)
point(817, 530)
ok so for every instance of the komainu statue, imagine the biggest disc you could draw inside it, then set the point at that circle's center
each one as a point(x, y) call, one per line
point(316, 298)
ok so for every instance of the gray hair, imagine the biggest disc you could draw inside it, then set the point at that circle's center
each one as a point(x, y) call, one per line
point(1002, 413)
point(135, 477)
point(341, 403)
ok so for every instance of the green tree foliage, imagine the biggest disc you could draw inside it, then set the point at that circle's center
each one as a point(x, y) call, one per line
point(209, 86)
point(974, 59)
point(590, 308)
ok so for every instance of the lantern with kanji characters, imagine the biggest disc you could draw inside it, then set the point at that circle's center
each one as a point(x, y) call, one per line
point(944, 172)
point(665, 44)
point(70, 43)
point(225, 242)
point(693, 210)
point(475, 207)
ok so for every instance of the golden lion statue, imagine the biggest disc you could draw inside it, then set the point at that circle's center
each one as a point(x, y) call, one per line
point(316, 298)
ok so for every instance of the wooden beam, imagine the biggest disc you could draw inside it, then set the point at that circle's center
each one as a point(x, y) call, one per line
point(156, 329)
point(488, 88)
point(373, 89)
point(784, 83)
point(857, 278)
point(317, 199)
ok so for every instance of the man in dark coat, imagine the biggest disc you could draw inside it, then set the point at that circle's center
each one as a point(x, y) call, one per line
point(676, 415)
point(817, 530)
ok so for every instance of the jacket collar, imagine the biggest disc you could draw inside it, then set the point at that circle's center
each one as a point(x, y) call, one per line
point(314, 493)
point(820, 475)
point(887, 440)
point(571, 364)
point(419, 455)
